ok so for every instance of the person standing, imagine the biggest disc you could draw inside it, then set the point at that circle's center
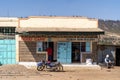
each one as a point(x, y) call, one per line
point(77, 55)
point(49, 52)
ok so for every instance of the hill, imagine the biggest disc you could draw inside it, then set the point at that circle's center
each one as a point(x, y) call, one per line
point(112, 32)
point(110, 26)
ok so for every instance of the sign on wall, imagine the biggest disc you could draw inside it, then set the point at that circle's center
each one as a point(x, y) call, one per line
point(37, 38)
point(27, 38)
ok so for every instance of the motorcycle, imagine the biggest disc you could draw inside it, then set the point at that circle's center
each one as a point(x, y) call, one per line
point(53, 66)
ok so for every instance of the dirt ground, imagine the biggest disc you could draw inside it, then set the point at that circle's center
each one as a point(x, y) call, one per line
point(19, 72)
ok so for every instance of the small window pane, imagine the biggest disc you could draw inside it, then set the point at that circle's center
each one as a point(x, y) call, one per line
point(87, 46)
point(87, 49)
point(82, 46)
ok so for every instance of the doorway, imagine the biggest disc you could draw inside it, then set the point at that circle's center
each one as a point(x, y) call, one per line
point(117, 56)
point(76, 52)
point(51, 45)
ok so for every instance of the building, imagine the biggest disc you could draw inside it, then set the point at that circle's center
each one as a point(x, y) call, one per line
point(7, 40)
point(109, 43)
point(72, 39)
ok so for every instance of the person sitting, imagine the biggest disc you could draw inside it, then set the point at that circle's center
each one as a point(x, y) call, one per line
point(108, 61)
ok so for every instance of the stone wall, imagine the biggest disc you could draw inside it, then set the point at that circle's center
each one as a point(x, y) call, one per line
point(27, 52)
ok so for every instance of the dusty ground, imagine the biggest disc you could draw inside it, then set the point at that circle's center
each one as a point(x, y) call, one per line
point(18, 72)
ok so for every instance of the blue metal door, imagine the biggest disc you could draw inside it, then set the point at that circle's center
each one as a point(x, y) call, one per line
point(69, 52)
point(7, 51)
point(64, 52)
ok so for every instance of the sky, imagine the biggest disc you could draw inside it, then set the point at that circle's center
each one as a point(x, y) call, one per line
point(100, 9)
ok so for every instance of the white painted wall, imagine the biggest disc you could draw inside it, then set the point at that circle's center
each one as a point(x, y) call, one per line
point(8, 21)
point(59, 22)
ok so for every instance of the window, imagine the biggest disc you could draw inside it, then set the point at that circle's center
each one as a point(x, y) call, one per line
point(7, 30)
point(88, 47)
point(41, 46)
point(85, 46)
point(82, 46)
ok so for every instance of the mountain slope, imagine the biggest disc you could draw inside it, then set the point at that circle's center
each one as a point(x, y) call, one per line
point(110, 26)
point(112, 32)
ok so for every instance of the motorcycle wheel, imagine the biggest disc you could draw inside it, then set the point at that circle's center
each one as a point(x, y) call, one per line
point(56, 68)
point(40, 68)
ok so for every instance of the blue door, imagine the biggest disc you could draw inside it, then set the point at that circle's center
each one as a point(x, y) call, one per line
point(64, 52)
point(7, 51)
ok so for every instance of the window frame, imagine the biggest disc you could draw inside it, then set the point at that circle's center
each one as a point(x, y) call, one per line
point(42, 44)
point(85, 46)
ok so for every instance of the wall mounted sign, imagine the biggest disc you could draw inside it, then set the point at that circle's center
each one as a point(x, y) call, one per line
point(81, 39)
point(32, 38)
